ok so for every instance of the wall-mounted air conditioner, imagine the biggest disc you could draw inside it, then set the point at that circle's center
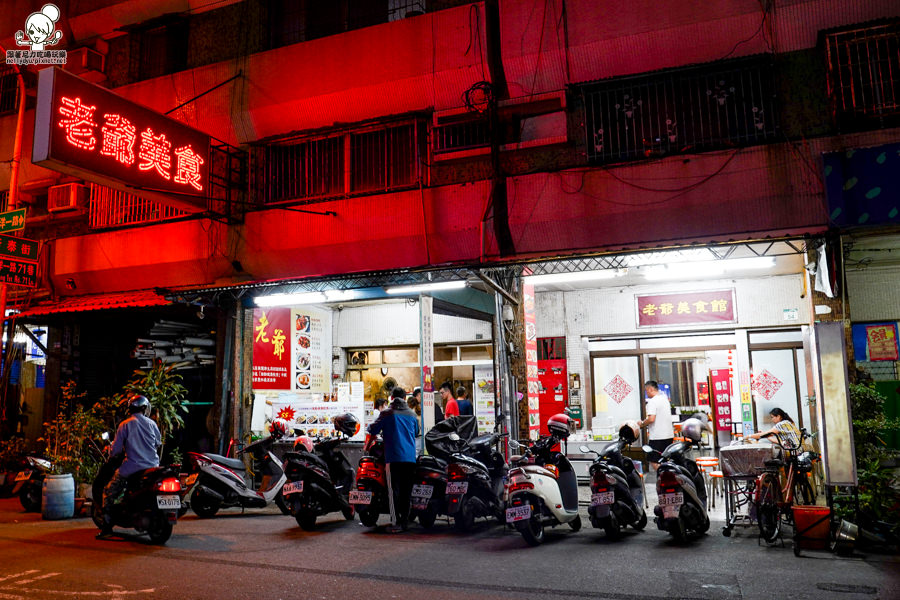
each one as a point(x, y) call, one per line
point(71, 196)
point(87, 63)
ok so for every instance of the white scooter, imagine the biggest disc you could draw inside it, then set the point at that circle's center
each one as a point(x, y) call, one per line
point(224, 482)
point(543, 489)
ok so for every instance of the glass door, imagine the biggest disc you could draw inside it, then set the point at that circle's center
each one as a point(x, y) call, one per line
point(774, 385)
point(617, 391)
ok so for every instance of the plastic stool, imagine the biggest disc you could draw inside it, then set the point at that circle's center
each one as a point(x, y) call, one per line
point(715, 477)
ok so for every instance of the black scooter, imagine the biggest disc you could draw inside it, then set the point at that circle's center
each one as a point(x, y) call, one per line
point(681, 492)
point(29, 482)
point(150, 503)
point(428, 498)
point(617, 489)
point(319, 482)
point(475, 471)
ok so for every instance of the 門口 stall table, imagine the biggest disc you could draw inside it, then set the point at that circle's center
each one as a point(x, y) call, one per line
point(740, 464)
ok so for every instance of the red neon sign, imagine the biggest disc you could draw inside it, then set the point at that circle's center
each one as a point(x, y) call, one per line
point(88, 131)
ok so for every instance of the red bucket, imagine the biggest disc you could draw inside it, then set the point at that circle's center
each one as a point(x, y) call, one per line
point(812, 526)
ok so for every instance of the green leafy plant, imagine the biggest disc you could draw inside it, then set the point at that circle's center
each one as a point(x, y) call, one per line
point(68, 437)
point(162, 386)
point(869, 423)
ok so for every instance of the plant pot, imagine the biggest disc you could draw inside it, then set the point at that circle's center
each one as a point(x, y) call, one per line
point(79, 505)
point(58, 497)
point(86, 490)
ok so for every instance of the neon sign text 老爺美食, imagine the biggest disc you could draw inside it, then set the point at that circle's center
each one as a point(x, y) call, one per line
point(118, 138)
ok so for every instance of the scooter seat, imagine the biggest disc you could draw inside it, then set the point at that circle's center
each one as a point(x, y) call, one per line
point(232, 463)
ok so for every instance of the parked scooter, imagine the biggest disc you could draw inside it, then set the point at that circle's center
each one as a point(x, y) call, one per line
point(224, 482)
point(319, 478)
point(150, 503)
point(428, 498)
point(475, 470)
point(370, 498)
point(679, 486)
point(617, 489)
point(543, 489)
point(29, 482)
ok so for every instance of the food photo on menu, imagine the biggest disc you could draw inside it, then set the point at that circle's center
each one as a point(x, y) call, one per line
point(302, 324)
point(303, 381)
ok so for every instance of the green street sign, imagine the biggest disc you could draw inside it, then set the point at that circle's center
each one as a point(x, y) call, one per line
point(12, 220)
point(20, 248)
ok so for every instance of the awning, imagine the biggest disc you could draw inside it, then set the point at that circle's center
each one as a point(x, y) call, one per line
point(133, 299)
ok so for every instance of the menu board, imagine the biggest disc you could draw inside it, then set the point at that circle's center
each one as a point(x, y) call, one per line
point(311, 350)
point(485, 398)
point(308, 412)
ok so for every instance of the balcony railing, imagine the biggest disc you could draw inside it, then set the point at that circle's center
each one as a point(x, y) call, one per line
point(113, 208)
point(687, 110)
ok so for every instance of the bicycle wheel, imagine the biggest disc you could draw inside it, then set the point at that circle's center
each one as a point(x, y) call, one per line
point(768, 515)
point(803, 492)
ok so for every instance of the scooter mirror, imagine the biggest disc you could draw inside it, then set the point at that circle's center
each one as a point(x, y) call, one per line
point(514, 445)
point(584, 449)
point(647, 448)
point(454, 437)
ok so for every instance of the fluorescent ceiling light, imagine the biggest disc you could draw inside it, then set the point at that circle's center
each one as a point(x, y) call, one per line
point(706, 268)
point(553, 278)
point(426, 287)
point(306, 298)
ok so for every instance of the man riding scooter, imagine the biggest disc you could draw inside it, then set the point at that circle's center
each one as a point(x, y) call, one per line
point(139, 439)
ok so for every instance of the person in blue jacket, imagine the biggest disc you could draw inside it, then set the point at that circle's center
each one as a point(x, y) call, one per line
point(399, 426)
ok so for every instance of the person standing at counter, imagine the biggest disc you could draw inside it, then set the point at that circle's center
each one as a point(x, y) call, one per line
point(464, 404)
point(451, 408)
point(661, 432)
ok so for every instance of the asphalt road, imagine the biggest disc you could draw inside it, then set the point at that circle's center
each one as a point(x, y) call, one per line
point(263, 554)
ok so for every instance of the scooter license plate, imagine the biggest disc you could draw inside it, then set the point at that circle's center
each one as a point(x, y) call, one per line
point(293, 487)
point(358, 497)
point(23, 475)
point(458, 487)
point(671, 504)
point(518, 513)
point(422, 491)
point(603, 498)
point(168, 502)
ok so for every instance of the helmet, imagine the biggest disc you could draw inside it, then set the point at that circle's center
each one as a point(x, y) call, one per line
point(629, 431)
point(346, 424)
point(303, 442)
point(139, 404)
point(278, 429)
point(691, 429)
point(560, 425)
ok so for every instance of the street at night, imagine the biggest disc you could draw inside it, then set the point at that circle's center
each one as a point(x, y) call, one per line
point(263, 554)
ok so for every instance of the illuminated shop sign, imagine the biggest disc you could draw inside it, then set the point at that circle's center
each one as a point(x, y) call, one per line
point(692, 307)
point(88, 131)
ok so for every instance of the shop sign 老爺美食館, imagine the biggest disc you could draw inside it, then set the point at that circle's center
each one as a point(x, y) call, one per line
point(714, 306)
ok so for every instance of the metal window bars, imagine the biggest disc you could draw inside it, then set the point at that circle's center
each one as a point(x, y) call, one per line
point(686, 110)
point(864, 70)
point(109, 207)
point(461, 136)
point(9, 91)
point(371, 160)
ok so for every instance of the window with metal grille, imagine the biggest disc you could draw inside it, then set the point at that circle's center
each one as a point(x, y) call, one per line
point(113, 208)
point(864, 71)
point(686, 110)
point(461, 136)
point(380, 159)
point(9, 91)
point(163, 50)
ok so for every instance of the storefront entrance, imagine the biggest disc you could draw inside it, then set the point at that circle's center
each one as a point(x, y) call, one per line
point(697, 373)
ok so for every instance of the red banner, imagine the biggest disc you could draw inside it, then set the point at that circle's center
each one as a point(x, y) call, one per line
point(716, 306)
point(271, 356)
point(881, 341)
point(531, 363)
point(720, 380)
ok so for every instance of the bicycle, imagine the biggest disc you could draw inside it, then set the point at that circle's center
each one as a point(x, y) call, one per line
point(772, 499)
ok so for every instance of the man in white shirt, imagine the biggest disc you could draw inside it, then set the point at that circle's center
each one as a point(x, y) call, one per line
point(659, 418)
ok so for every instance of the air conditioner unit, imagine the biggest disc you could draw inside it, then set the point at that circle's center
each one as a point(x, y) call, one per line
point(359, 358)
point(71, 196)
point(87, 63)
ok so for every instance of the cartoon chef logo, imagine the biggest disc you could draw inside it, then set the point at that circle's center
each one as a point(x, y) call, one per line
point(40, 29)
